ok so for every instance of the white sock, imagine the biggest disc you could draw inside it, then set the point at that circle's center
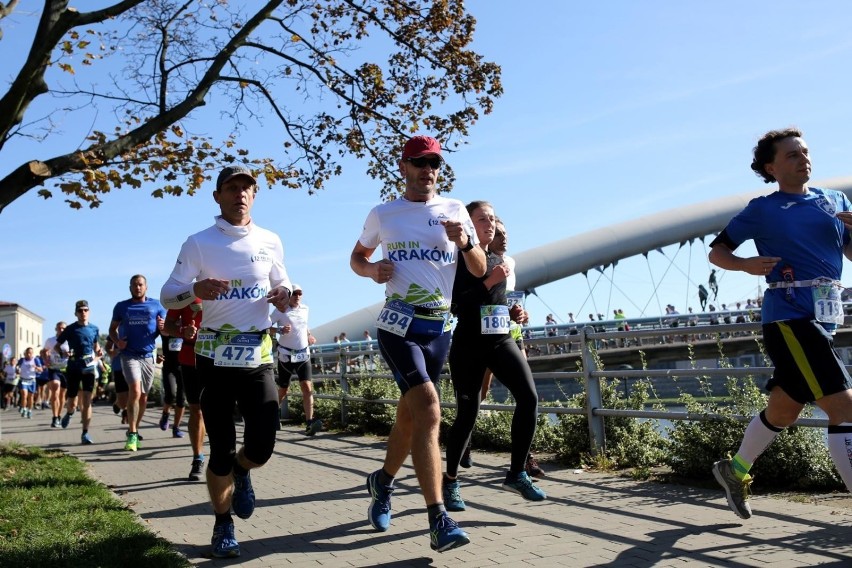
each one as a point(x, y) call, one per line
point(758, 435)
point(840, 448)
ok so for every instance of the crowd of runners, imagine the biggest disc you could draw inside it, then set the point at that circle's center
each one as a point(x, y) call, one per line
point(235, 331)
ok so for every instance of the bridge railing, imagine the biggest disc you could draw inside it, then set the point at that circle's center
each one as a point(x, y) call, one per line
point(357, 359)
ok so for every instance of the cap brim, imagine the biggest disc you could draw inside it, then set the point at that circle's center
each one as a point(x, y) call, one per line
point(236, 175)
point(439, 156)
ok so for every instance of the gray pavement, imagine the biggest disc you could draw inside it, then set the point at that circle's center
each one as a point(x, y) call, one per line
point(312, 502)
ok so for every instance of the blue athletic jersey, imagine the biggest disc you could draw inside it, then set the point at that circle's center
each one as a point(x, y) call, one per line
point(44, 370)
point(803, 231)
point(81, 341)
point(139, 321)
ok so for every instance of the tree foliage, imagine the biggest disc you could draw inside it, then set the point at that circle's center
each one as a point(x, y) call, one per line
point(331, 78)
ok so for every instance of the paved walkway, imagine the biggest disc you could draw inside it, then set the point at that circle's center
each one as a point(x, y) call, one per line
point(311, 510)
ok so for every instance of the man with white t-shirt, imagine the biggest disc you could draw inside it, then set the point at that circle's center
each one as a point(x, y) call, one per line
point(56, 363)
point(294, 355)
point(237, 269)
point(420, 234)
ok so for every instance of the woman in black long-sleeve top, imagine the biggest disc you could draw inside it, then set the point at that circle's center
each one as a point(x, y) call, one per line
point(482, 341)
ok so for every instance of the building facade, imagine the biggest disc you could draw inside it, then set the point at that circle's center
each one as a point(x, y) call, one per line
point(19, 328)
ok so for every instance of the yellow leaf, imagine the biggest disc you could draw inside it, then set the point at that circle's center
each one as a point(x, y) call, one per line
point(295, 38)
point(67, 68)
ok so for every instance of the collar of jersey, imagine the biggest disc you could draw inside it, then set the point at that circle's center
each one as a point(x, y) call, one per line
point(232, 230)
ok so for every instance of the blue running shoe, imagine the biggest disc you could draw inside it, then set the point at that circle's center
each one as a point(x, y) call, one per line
point(452, 496)
point(445, 534)
point(524, 487)
point(86, 439)
point(379, 512)
point(66, 420)
point(224, 542)
point(164, 422)
point(242, 502)
point(177, 432)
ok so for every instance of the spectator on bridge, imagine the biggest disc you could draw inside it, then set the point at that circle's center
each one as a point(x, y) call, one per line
point(551, 331)
point(621, 321)
point(740, 318)
point(702, 296)
point(714, 317)
point(692, 321)
point(714, 285)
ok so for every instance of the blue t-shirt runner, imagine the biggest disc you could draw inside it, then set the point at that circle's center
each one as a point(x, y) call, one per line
point(138, 321)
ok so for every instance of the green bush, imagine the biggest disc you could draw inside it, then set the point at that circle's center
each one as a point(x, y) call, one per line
point(371, 417)
point(629, 442)
point(797, 459)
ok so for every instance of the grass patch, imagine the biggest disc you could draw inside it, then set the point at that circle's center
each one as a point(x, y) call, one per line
point(53, 514)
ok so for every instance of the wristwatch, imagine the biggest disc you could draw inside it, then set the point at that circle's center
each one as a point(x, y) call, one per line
point(468, 246)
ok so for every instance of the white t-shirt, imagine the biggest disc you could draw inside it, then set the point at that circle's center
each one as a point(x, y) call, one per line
point(28, 369)
point(510, 279)
point(55, 360)
point(413, 238)
point(250, 258)
point(297, 318)
point(11, 373)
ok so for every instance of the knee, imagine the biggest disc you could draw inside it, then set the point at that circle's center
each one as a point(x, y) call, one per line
point(428, 417)
point(781, 418)
point(222, 463)
point(258, 455)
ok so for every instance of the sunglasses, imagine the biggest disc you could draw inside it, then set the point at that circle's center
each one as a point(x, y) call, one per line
point(297, 294)
point(434, 163)
point(82, 309)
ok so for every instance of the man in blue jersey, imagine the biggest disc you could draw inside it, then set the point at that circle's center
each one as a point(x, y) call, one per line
point(83, 346)
point(801, 234)
point(141, 319)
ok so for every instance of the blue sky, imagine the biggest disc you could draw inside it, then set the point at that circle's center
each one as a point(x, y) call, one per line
point(612, 111)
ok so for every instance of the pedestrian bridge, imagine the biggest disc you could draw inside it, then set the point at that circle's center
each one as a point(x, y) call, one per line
point(599, 251)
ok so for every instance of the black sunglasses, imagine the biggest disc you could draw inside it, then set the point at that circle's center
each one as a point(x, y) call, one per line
point(433, 163)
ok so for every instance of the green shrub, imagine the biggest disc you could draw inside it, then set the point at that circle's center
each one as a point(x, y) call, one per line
point(630, 442)
point(797, 459)
point(371, 417)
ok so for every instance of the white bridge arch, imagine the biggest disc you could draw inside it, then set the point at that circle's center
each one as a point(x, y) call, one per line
point(573, 255)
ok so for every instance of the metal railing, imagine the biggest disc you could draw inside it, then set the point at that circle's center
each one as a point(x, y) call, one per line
point(331, 362)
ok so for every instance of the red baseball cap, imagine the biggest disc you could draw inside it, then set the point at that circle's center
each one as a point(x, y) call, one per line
point(420, 146)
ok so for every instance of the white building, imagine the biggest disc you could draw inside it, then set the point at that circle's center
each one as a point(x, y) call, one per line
point(19, 329)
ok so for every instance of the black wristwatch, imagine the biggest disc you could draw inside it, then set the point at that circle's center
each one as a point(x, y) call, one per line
point(468, 246)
